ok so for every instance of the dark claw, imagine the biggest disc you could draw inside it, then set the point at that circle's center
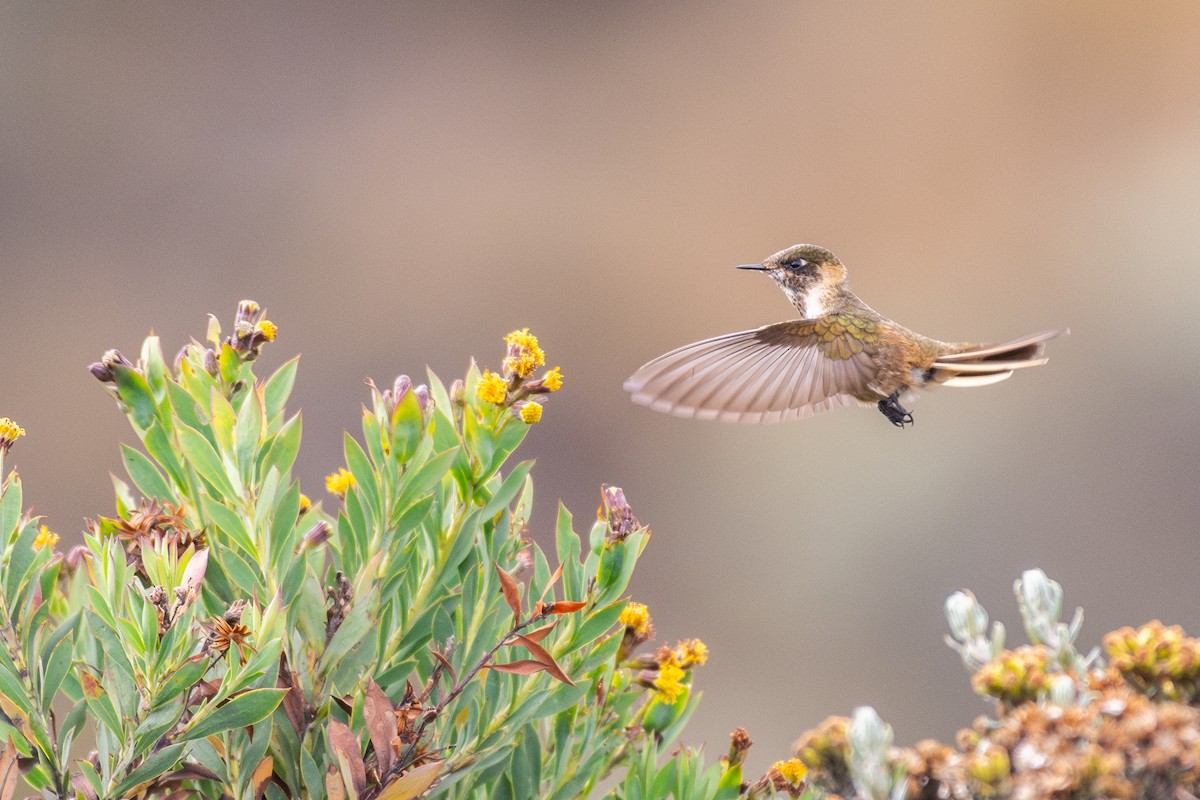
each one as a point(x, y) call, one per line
point(896, 414)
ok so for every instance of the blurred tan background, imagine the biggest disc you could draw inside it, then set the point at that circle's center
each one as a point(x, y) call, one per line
point(402, 184)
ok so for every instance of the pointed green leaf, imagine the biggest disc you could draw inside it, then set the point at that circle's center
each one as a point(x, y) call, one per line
point(135, 393)
point(200, 454)
point(145, 475)
point(244, 710)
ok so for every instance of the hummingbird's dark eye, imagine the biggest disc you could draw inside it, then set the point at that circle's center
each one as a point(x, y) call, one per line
point(796, 264)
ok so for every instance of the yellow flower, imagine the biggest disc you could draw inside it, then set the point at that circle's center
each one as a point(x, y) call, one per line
point(693, 652)
point(268, 329)
point(793, 770)
point(531, 413)
point(491, 388)
point(668, 685)
point(552, 380)
point(45, 538)
point(339, 482)
point(524, 354)
point(305, 503)
point(636, 616)
point(9, 432)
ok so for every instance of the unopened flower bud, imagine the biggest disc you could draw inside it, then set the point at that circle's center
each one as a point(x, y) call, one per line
point(967, 618)
point(615, 510)
point(101, 372)
point(317, 535)
point(422, 393)
point(739, 743)
point(401, 386)
point(74, 556)
point(458, 392)
point(180, 356)
point(210, 362)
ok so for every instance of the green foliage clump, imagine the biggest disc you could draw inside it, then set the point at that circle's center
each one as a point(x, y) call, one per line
point(224, 637)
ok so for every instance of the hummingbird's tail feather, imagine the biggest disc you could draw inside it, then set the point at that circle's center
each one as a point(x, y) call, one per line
point(980, 365)
point(771, 374)
point(1031, 346)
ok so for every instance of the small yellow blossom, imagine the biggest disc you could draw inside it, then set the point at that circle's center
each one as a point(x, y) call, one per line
point(693, 652)
point(45, 538)
point(531, 413)
point(636, 616)
point(668, 685)
point(793, 770)
point(305, 503)
point(268, 329)
point(339, 482)
point(491, 388)
point(9, 432)
point(524, 354)
point(552, 380)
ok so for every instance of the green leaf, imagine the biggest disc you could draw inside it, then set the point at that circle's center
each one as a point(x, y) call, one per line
point(408, 425)
point(364, 475)
point(354, 627)
point(282, 453)
point(230, 523)
point(247, 433)
point(154, 766)
point(10, 508)
point(54, 671)
point(183, 678)
point(136, 394)
point(21, 558)
point(159, 446)
point(427, 476)
point(244, 710)
point(200, 454)
point(145, 475)
point(279, 388)
point(508, 489)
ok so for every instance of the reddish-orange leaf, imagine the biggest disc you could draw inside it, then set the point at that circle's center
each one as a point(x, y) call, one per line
point(512, 592)
point(413, 783)
point(525, 667)
point(543, 657)
point(381, 724)
point(9, 773)
point(445, 663)
point(538, 634)
point(90, 685)
point(262, 774)
point(550, 584)
point(334, 788)
point(564, 606)
point(345, 746)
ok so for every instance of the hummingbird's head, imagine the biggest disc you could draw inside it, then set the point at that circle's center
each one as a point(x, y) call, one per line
point(806, 273)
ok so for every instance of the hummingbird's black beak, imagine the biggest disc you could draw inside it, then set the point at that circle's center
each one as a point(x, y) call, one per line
point(758, 267)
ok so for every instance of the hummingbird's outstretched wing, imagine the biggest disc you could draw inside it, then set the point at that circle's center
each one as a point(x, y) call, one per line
point(771, 374)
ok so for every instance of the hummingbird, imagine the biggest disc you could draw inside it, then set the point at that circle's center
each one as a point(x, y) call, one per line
point(841, 352)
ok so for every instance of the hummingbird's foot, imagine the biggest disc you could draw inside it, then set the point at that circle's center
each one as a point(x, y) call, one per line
point(896, 413)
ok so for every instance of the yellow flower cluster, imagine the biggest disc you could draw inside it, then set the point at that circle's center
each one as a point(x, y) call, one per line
point(531, 412)
point(552, 380)
point(637, 617)
point(339, 482)
point(45, 538)
point(1157, 658)
point(9, 432)
point(1015, 676)
point(268, 329)
point(669, 683)
point(491, 388)
point(693, 652)
point(524, 354)
point(793, 770)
